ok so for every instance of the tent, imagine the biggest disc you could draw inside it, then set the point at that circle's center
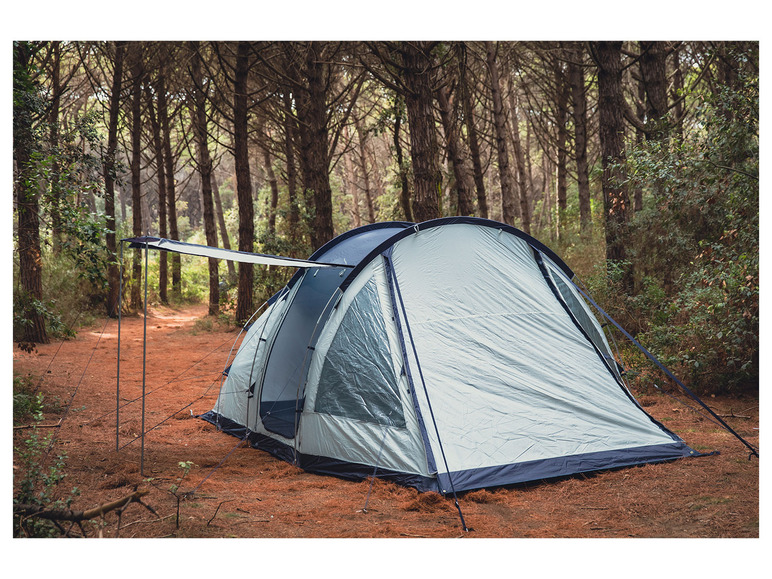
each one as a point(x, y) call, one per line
point(448, 355)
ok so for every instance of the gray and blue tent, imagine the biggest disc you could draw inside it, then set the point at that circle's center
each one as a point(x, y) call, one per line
point(448, 355)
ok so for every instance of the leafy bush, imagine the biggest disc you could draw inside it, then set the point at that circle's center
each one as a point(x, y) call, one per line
point(695, 245)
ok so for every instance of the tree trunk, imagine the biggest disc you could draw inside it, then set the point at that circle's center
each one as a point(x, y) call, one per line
point(171, 199)
point(654, 77)
point(561, 106)
point(350, 178)
point(427, 178)
point(611, 130)
point(293, 218)
point(474, 145)
point(113, 271)
point(226, 239)
point(135, 57)
point(365, 173)
point(27, 205)
point(314, 144)
point(404, 189)
point(245, 297)
point(161, 182)
point(508, 201)
point(465, 204)
point(579, 95)
point(204, 163)
point(54, 179)
point(522, 180)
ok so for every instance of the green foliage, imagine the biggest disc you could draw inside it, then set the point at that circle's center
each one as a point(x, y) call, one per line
point(695, 245)
point(36, 478)
point(27, 404)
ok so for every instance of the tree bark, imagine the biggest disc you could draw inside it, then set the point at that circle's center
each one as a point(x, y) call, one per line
point(427, 178)
point(350, 178)
point(161, 182)
point(579, 95)
point(508, 201)
point(404, 186)
point(113, 271)
point(474, 145)
point(314, 143)
point(204, 163)
point(365, 173)
point(611, 131)
point(53, 119)
point(561, 106)
point(293, 218)
point(226, 240)
point(465, 203)
point(654, 78)
point(171, 195)
point(522, 180)
point(245, 296)
point(27, 204)
point(136, 71)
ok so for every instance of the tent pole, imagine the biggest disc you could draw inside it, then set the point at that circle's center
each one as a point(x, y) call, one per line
point(118, 370)
point(144, 367)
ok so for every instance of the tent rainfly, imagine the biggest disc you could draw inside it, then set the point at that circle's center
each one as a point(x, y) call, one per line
point(448, 355)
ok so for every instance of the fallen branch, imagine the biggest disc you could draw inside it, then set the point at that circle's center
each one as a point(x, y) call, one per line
point(57, 425)
point(79, 516)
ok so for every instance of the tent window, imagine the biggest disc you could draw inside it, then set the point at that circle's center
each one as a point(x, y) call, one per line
point(357, 379)
point(585, 319)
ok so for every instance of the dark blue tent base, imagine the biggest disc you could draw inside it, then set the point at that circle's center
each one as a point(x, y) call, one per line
point(506, 475)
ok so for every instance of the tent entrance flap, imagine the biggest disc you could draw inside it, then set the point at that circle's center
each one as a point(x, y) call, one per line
point(227, 254)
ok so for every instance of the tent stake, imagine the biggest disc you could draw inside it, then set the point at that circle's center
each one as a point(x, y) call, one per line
point(144, 366)
point(118, 370)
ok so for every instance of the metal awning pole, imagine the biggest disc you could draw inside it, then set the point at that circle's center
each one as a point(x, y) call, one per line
point(144, 366)
point(118, 371)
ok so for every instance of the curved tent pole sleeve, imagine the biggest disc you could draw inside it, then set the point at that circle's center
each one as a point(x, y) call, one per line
point(667, 372)
point(397, 294)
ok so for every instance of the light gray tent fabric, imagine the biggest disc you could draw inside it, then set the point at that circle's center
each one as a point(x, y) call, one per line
point(507, 374)
point(457, 356)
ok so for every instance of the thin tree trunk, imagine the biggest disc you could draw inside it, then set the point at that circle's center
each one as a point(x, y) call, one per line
point(53, 119)
point(404, 189)
point(171, 199)
point(365, 172)
point(204, 163)
point(522, 180)
point(474, 146)
point(579, 94)
point(244, 300)
point(508, 201)
point(135, 57)
point(465, 202)
point(161, 181)
point(350, 178)
point(293, 218)
point(561, 104)
point(226, 240)
point(113, 271)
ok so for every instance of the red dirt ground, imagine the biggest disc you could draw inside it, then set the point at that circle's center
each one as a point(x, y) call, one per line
point(243, 492)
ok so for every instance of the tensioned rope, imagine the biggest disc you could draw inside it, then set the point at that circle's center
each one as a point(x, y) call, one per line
point(77, 387)
point(170, 416)
point(667, 372)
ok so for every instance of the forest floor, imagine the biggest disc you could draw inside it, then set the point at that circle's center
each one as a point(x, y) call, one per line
point(235, 491)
